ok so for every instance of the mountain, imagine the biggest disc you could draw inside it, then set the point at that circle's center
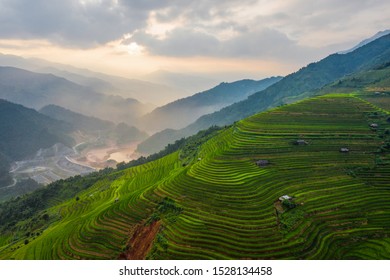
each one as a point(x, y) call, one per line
point(366, 41)
point(37, 145)
point(247, 191)
point(121, 133)
point(145, 91)
point(76, 120)
point(293, 87)
point(23, 132)
point(183, 112)
point(37, 90)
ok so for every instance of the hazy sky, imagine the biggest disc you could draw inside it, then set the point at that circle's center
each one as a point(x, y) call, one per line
point(224, 38)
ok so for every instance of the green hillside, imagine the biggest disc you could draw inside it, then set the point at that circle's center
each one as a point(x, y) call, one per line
point(24, 131)
point(221, 205)
point(306, 82)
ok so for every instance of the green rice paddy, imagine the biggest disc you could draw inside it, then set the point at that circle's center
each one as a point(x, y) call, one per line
point(229, 205)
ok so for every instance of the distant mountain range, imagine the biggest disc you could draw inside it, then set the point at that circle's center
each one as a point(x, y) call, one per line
point(182, 112)
point(37, 90)
point(293, 87)
point(368, 40)
point(145, 91)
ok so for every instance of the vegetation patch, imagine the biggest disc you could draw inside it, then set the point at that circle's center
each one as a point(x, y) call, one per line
point(290, 219)
point(166, 210)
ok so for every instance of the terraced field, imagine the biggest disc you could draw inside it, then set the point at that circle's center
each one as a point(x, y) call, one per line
point(224, 206)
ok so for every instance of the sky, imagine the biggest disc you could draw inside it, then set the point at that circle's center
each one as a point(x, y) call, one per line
point(224, 39)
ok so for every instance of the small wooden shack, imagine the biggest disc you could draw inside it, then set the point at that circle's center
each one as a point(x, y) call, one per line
point(285, 197)
point(374, 125)
point(262, 162)
point(301, 142)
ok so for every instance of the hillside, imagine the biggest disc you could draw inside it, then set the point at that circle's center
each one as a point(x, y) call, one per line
point(121, 133)
point(36, 90)
point(304, 83)
point(368, 40)
point(210, 207)
point(183, 112)
point(23, 132)
point(78, 121)
point(54, 144)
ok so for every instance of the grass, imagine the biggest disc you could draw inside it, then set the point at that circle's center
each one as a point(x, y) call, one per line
point(221, 205)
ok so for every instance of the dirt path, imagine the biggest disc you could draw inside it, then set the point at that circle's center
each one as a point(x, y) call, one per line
point(141, 242)
point(12, 185)
point(74, 148)
point(77, 163)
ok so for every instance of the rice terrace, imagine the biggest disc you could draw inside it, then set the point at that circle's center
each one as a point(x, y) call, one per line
point(213, 199)
point(237, 137)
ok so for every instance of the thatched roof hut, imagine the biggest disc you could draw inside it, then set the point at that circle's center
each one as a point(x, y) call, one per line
point(262, 162)
point(374, 125)
point(285, 197)
point(301, 142)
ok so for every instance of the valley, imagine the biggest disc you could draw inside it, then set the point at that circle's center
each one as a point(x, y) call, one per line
point(107, 156)
point(61, 162)
point(49, 165)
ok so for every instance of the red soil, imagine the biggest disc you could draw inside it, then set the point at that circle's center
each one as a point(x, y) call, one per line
point(141, 242)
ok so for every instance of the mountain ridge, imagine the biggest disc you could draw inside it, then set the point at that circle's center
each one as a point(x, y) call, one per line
point(205, 102)
point(366, 41)
point(35, 90)
point(293, 87)
point(144, 91)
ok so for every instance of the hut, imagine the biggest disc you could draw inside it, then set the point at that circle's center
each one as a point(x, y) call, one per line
point(344, 150)
point(285, 197)
point(301, 142)
point(374, 125)
point(262, 162)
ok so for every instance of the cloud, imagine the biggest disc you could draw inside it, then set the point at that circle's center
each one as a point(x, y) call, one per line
point(294, 30)
point(74, 23)
point(261, 43)
point(87, 23)
point(224, 28)
point(180, 42)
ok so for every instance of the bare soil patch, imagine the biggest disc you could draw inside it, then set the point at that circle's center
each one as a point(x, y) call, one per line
point(141, 241)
